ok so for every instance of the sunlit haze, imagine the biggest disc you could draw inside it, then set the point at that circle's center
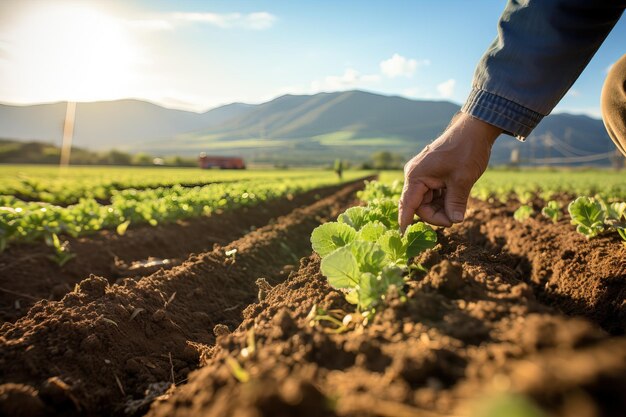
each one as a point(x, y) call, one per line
point(199, 54)
point(69, 51)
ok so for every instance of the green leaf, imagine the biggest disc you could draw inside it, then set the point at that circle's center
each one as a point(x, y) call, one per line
point(369, 256)
point(353, 296)
point(523, 213)
point(330, 236)
point(372, 231)
point(616, 211)
point(391, 275)
point(356, 217)
point(587, 215)
point(341, 268)
point(368, 290)
point(418, 237)
point(393, 246)
point(386, 211)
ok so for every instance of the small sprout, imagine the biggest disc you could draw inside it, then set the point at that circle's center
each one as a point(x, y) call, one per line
point(238, 372)
point(552, 211)
point(523, 213)
point(62, 253)
point(251, 345)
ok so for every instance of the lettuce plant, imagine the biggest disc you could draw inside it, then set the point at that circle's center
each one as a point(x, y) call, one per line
point(587, 215)
point(552, 211)
point(363, 253)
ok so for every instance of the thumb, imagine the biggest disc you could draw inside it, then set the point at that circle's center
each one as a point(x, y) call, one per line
point(456, 201)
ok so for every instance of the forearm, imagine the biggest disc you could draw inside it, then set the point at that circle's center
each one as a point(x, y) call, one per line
point(541, 49)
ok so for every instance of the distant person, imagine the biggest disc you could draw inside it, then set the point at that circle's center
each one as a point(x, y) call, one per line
point(541, 48)
point(339, 168)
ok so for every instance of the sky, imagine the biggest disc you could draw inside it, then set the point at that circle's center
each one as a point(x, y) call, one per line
point(199, 54)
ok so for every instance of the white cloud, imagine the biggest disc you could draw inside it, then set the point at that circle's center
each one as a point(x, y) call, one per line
point(351, 78)
point(398, 65)
point(446, 88)
point(253, 21)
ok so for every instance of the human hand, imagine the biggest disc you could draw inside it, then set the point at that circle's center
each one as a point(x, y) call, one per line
point(437, 181)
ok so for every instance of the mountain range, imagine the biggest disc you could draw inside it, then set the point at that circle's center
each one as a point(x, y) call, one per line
point(294, 129)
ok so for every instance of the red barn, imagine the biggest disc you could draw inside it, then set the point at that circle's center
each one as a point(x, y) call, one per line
point(224, 162)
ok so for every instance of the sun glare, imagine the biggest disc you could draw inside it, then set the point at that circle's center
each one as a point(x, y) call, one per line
point(70, 51)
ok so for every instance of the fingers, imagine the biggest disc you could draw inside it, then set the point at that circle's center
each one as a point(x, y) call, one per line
point(434, 213)
point(411, 198)
point(456, 201)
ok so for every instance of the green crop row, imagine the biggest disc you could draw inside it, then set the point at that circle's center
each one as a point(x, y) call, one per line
point(592, 216)
point(525, 185)
point(26, 221)
point(68, 186)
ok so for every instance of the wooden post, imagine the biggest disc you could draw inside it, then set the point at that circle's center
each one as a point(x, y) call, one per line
point(68, 133)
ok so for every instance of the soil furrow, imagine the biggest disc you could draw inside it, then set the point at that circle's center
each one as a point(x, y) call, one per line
point(103, 345)
point(580, 277)
point(28, 275)
point(469, 330)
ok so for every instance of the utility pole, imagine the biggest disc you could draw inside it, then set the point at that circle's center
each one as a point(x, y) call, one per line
point(68, 133)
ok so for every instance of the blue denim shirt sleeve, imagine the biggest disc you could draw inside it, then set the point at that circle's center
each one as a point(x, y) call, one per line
point(541, 48)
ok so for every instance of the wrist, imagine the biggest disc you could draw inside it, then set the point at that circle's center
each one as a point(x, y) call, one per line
point(478, 129)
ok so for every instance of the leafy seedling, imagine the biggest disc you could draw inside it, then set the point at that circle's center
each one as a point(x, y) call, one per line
point(587, 215)
point(523, 213)
point(552, 211)
point(237, 370)
point(62, 253)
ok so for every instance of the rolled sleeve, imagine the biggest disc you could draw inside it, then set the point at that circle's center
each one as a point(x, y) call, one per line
point(541, 48)
point(513, 118)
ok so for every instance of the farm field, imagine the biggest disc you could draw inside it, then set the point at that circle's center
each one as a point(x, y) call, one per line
point(307, 301)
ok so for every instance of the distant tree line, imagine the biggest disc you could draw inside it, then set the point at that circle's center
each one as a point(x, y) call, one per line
point(16, 152)
point(384, 160)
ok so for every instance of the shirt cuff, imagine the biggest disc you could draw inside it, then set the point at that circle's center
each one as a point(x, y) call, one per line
point(515, 119)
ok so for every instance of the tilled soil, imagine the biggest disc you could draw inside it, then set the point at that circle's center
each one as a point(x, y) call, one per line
point(27, 275)
point(478, 325)
point(580, 277)
point(505, 315)
point(102, 345)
